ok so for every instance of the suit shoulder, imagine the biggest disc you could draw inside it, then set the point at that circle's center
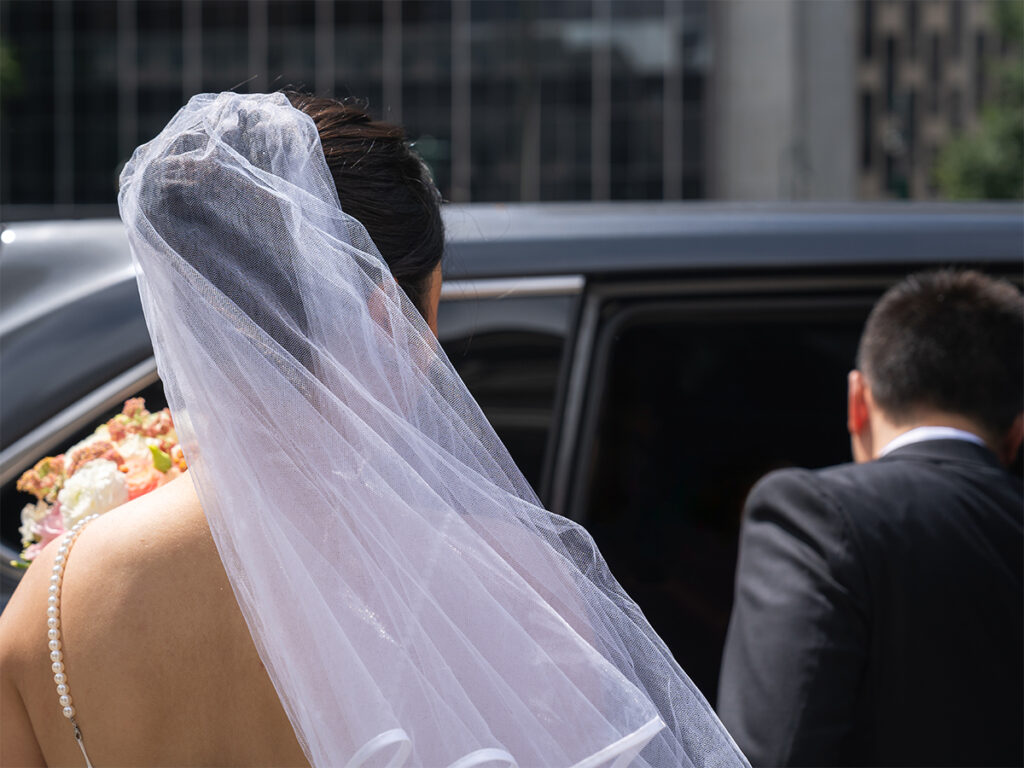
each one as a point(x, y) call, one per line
point(802, 502)
point(795, 516)
point(794, 484)
point(851, 486)
point(820, 504)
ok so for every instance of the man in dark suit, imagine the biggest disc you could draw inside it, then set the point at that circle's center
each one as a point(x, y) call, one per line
point(879, 604)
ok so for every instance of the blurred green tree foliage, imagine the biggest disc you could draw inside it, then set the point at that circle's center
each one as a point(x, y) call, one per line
point(988, 163)
point(10, 72)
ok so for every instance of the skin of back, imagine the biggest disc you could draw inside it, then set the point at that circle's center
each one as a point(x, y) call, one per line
point(161, 667)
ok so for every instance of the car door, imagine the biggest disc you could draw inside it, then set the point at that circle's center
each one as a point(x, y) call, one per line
point(507, 338)
point(683, 394)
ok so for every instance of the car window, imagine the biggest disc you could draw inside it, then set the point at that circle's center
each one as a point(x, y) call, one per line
point(508, 350)
point(61, 356)
point(509, 353)
point(693, 405)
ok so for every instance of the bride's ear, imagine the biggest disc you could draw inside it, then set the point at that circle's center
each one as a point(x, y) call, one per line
point(433, 298)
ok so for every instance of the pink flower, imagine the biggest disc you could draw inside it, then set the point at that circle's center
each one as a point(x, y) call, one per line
point(159, 424)
point(141, 476)
point(46, 529)
point(135, 407)
point(117, 430)
point(28, 555)
point(97, 449)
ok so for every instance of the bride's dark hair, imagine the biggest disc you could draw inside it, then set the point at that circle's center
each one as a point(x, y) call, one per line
point(384, 185)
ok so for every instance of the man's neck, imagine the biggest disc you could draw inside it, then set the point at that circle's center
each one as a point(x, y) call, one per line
point(885, 432)
point(924, 434)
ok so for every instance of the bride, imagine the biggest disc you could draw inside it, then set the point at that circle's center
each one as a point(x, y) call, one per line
point(353, 572)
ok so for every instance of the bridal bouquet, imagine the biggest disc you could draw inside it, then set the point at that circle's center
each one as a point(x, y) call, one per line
point(130, 455)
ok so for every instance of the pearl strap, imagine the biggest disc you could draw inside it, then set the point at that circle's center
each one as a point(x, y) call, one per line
point(53, 634)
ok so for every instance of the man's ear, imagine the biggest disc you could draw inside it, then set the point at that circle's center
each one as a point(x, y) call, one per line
point(858, 416)
point(1012, 440)
point(856, 403)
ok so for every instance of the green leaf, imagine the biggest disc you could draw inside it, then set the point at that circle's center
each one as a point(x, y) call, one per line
point(987, 163)
point(161, 460)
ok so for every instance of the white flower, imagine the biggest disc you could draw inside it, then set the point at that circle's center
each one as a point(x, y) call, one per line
point(31, 514)
point(97, 487)
point(136, 445)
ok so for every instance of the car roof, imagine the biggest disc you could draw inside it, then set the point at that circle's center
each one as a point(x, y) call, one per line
point(502, 240)
point(625, 238)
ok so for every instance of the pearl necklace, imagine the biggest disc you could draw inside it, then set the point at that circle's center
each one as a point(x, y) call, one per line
point(53, 629)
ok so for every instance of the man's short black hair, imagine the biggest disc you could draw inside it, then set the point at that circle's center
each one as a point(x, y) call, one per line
point(947, 340)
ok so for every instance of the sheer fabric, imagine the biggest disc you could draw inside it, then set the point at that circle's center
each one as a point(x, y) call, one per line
point(412, 602)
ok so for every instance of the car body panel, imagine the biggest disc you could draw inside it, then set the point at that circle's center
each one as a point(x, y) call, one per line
point(73, 342)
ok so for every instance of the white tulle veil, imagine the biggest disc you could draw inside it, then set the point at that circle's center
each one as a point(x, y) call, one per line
point(411, 600)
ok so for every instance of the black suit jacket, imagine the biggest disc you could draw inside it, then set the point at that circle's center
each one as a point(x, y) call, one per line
point(878, 614)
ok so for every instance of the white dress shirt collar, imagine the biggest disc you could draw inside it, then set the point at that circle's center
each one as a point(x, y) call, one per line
point(920, 434)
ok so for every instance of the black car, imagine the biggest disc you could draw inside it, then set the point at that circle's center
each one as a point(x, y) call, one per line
point(644, 363)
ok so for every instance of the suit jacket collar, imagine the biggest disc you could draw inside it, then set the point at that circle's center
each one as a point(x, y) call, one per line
point(946, 450)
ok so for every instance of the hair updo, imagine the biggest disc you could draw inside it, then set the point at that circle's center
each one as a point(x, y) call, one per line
point(384, 185)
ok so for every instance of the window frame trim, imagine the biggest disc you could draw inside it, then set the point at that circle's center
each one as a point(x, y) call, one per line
point(508, 287)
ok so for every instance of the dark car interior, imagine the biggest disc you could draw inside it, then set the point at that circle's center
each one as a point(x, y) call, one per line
point(698, 402)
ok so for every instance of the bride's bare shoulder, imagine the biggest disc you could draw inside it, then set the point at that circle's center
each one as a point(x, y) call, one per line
point(156, 543)
point(147, 566)
point(134, 577)
point(158, 656)
point(122, 561)
point(145, 573)
point(143, 593)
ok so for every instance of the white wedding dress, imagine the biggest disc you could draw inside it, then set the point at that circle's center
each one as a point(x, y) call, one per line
point(411, 600)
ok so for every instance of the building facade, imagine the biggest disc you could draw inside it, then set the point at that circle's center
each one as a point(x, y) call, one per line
point(506, 100)
point(924, 72)
point(516, 100)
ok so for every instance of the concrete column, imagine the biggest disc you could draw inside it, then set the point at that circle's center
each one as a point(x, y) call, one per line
point(783, 125)
point(191, 48)
point(462, 81)
point(601, 102)
point(529, 107)
point(672, 105)
point(323, 45)
point(258, 47)
point(392, 61)
point(64, 109)
point(829, 112)
point(127, 79)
